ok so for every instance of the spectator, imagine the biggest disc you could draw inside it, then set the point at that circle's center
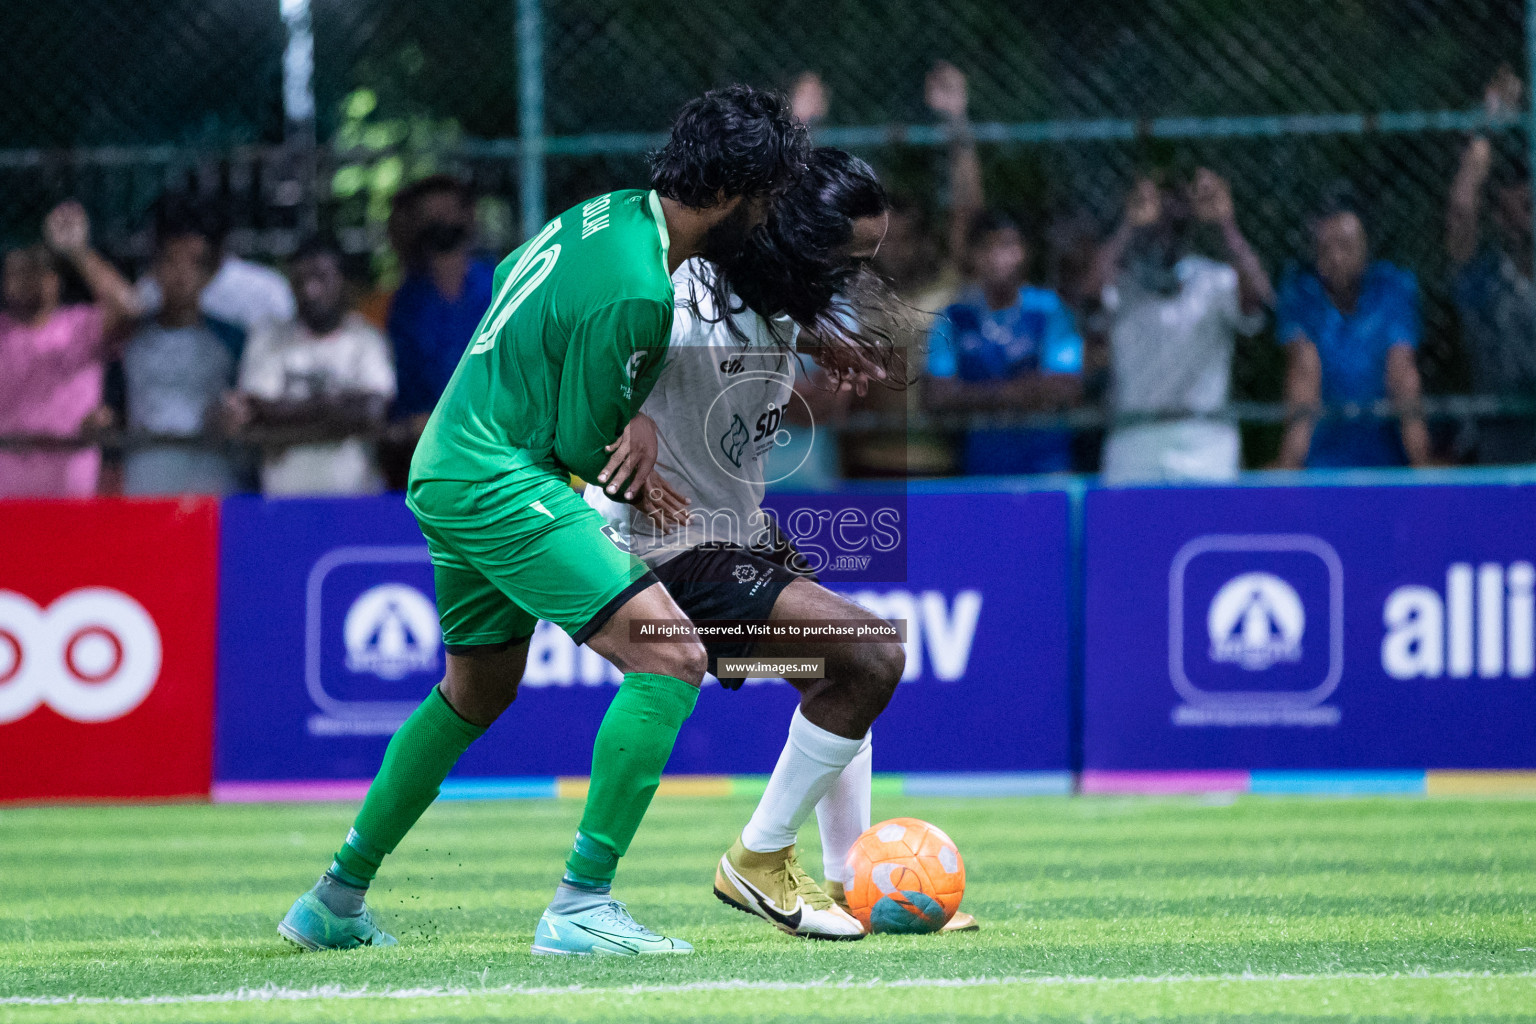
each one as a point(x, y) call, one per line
point(326, 373)
point(178, 366)
point(926, 273)
point(1005, 345)
point(1495, 298)
point(439, 304)
point(1173, 316)
point(52, 356)
point(910, 256)
point(1350, 328)
point(241, 292)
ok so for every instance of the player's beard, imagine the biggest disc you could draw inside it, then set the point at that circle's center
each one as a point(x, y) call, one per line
point(725, 242)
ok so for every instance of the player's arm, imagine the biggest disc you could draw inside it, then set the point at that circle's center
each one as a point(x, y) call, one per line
point(631, 475)
point(615, 355)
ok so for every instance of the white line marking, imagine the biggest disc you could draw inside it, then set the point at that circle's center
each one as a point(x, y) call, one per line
point(275, 993)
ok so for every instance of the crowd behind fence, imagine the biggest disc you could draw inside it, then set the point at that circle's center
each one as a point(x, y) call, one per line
point(297, 115)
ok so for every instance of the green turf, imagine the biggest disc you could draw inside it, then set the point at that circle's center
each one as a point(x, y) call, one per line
point(1094, 909)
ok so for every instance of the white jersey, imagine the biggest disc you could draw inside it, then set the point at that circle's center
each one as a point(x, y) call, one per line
point(719, 410)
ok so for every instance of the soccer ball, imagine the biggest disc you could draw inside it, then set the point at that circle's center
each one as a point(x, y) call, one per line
point(906, 876)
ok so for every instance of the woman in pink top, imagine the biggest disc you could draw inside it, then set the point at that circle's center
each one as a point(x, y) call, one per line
point(52, 356)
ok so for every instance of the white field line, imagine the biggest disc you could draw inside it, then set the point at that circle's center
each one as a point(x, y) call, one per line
point(275, 993)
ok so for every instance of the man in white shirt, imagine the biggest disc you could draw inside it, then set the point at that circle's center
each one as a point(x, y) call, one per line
point(1174, 317)
point(328, 373)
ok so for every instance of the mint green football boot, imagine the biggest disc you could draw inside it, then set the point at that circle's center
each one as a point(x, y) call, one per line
point(314, 926)
point(607, 930)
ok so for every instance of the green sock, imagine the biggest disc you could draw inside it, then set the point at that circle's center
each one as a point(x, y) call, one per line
point(417, 761)
point(632, 747)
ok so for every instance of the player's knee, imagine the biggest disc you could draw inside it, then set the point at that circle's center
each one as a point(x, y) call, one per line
point(881, 666)
point(686, 661)
point(479, 699)
point(695, 664)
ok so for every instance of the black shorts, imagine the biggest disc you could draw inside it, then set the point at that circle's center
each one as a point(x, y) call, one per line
point(724, 582)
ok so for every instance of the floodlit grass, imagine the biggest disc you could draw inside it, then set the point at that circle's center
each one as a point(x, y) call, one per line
point(1093, 909)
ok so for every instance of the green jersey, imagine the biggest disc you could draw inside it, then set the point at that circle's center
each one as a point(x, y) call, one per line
point(573, 342)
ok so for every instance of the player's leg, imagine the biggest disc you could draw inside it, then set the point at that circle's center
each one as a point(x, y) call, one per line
point(829, 730)
point(842, 815)
point(479, 684)
point(660, 687)
point(547, 550)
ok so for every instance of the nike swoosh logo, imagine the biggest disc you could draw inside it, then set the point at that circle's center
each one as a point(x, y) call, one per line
point(607, 937)
point(790, 921)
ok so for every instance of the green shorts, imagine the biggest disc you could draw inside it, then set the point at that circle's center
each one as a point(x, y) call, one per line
point(508, 553)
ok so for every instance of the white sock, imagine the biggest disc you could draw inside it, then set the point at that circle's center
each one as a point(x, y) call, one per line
point(811, 761)
point(843, 814)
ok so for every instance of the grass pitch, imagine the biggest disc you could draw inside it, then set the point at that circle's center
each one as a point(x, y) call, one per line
point(1093, 909)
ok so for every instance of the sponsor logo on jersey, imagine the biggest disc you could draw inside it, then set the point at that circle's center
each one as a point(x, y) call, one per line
point(633, 369)
point(617, 538)
point(744, 573)
point(734, 442)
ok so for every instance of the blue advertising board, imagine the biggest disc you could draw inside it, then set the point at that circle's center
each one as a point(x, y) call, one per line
point(1388, 627)
point(328, 639)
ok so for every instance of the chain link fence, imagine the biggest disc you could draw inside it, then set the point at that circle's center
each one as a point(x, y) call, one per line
point(115, 101)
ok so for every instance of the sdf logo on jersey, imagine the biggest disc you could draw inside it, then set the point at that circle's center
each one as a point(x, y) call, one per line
point(373, 646)
point(1256, 630)
point(93, 655)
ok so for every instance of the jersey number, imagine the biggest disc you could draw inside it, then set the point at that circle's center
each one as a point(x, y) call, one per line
point(527, 274)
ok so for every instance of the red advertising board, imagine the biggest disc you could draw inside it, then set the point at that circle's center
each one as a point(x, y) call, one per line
point(107, 625)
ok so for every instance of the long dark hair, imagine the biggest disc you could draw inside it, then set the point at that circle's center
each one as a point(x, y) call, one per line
point(735, 141)
point(796, 265)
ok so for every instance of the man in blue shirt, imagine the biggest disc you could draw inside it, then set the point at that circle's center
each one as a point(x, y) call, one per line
point(1005, 347)
point(1351, 329)
point(438, 305)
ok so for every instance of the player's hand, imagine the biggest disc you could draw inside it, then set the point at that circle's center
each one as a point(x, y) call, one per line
point(847, 368)
point(663, 503)
point(67, 229)
point(1213, 198)
point(945, 92)
point(1144, 205)
point(634, 456)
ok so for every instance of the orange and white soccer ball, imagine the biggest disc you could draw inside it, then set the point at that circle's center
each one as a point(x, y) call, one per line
point(905, 876)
